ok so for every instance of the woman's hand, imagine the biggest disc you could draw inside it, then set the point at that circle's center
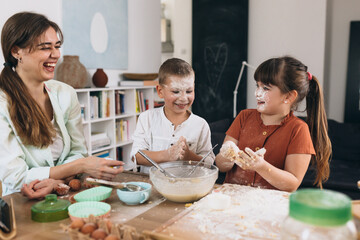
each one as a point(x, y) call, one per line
point(102, 168)
point(39, 189)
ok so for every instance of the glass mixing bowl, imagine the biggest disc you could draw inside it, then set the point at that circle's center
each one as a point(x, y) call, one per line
point(184, 189)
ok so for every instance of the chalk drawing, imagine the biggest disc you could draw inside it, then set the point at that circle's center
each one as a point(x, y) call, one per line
point(215, 59)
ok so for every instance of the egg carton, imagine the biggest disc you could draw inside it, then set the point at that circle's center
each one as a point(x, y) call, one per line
point(121, 231)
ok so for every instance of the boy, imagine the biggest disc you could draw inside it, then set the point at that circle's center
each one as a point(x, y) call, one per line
point(172, 132)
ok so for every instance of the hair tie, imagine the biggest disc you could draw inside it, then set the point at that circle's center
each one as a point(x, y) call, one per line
point(309, 76)
point(7, 64)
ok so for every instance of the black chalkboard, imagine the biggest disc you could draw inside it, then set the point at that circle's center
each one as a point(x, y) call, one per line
point(220, 33)
point(352, 101)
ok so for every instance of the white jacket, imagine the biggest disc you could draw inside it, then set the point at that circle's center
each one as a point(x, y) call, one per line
point(21, 163)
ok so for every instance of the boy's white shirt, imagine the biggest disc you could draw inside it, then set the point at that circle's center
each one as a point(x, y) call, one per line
point(154, 132)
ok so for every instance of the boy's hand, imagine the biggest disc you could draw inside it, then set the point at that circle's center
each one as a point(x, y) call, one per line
point(178, 150)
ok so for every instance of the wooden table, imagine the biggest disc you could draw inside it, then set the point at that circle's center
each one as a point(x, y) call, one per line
point(153, 215)
point(148, 216)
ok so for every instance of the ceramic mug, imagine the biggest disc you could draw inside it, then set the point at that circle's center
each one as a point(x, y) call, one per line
point(137, 197)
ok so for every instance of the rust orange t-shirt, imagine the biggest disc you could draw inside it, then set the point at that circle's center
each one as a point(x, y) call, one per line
point(292, 136)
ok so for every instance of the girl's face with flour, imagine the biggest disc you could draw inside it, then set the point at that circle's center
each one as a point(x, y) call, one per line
point(270, 100)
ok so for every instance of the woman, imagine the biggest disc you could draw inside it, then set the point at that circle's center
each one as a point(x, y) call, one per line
point(41, 132)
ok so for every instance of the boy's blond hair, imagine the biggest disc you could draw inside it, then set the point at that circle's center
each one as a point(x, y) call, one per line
point(174, 66)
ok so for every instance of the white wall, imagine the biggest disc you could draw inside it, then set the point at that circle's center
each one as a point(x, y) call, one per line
point(340, 13)
point(144, 31)
point(280, 27)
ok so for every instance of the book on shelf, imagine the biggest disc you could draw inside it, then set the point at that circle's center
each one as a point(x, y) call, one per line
point(125, 132)
point(118, 130)
point(138, 83)
point(129, 83)
point(99, 140)
point(119, 153)
point(151, 82)
point(119, 102)
point(98, 135)
point(141, 103)
point(99, 104)
point(122, 130)
point(102, 154)
point(146, 104)
point(137, 102)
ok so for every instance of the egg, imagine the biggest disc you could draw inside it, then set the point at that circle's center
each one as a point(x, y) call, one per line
point(99, 234)
point(111, 237)
point(75, 184)
point(77, 224)
point(88, 228)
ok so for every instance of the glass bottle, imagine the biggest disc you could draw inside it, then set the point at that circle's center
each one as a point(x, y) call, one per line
point(316, 214)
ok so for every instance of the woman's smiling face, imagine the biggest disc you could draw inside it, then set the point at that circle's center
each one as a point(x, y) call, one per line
point(38, 62)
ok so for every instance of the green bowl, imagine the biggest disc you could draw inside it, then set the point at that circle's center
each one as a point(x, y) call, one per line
point(93, 194)
point(84, 209)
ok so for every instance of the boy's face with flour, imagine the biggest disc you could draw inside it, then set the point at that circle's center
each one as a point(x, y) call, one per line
point(178, 94)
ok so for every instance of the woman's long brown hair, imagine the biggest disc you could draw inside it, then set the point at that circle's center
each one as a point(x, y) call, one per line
point(288, 73)
point(31, 124)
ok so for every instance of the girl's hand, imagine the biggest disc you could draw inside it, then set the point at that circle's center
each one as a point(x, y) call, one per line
point(102, 168)
point(251, 160)
point(230, 151)
point(178, 150)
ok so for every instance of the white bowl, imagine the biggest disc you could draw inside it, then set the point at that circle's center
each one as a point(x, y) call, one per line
point(184, 189)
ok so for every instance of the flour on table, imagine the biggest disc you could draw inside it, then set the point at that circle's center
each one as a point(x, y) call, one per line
point(217, 202)
point(240, 212)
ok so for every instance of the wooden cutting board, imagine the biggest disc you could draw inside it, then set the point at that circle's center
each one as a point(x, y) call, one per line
point(251, 213)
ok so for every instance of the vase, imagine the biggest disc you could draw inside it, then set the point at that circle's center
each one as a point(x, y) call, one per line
point(72, 72)
point(100, 78)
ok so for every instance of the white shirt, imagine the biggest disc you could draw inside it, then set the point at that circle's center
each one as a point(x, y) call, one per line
point(57, 146)
point(154, 132)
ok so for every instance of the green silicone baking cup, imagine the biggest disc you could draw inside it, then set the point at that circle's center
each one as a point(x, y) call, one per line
point(93, 194)
point(85, 209)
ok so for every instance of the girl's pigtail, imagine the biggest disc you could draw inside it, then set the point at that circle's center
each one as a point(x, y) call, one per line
point(317, 121)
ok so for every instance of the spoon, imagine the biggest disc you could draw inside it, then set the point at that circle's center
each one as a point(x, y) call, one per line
point(116, 185)
point(194, 168)
point(168, 174)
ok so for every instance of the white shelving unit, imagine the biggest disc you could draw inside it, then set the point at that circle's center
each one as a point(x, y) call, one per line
point(108, 124)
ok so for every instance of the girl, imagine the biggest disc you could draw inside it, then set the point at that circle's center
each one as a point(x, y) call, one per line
point(285, 142)
point(41, 130)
